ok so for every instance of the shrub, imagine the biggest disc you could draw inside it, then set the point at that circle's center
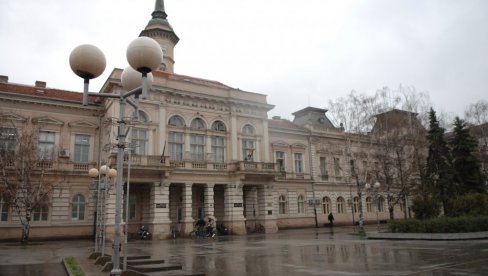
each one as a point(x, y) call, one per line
point(440, 225)
point(473, 204)
point(426, 207)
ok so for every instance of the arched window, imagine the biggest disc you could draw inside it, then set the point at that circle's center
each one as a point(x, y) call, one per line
point(248, 130)
point(176, 121)
point(340, 205)
point(142, 118)
point(325, 205)
point(282, 205)
point(355, 204)
point(78, 207)
point(301, 205)
point(369, 205)
point(40, 213)
point(219, 126)
point(197, 123)
point(3, 210)
point(381, 204)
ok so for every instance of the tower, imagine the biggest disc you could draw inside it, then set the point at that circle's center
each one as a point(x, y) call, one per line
point(160, 30)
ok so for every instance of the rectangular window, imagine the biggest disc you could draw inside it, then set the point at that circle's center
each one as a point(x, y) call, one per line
point(248, 148)
point(45, 150)
point(352, 164)
point(298, 162)
point(3, 210)
point(82, 148)
point(8, 138)
point(175, 146)
point(323, 166)
point(40, 212)
point(139, 141)
point(197, 147)
point(280, 161)
point(218, 149)
point(337, 167)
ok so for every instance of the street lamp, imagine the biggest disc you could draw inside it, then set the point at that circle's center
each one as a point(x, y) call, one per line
point(87, 61)
point(374, 192)
point(103, 186)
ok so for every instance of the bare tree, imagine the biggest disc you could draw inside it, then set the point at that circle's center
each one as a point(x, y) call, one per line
point(22, 182)
point(398, 145)
point(477, 115)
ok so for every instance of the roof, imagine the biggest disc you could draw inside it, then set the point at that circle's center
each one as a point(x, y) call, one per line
point(42, 92)
point(177, 77)
point(284, 124)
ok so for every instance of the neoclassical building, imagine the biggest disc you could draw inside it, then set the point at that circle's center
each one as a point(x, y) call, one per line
point(198, 148)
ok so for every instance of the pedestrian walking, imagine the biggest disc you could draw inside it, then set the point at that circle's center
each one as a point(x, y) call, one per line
point(331, 219)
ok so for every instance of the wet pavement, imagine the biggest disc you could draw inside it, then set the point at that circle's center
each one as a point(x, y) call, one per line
point(288, 252)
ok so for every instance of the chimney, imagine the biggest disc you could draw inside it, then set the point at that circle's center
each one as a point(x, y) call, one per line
point(3, 79)
point(40, 84)
point(276, 117)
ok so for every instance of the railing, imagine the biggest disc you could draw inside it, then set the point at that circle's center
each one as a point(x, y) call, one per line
point(45, 164)
point(256, 166)
point(82, 166)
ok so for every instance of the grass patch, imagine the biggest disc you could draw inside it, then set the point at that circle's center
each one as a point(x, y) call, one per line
point(73, 267)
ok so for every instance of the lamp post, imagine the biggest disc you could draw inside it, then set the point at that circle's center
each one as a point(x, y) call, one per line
point(103, 186)
point(87, 61)
point(374, 192)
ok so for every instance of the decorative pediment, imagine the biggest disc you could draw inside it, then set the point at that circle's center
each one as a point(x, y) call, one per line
point(47, 120)
point(9, 116)
point(82, 124)
point(280, 144)
point(298, 146)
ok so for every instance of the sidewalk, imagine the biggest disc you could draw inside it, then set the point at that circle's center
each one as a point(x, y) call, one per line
point(297, 252)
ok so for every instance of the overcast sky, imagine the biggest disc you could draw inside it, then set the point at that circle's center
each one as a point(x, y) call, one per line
point(299, 53)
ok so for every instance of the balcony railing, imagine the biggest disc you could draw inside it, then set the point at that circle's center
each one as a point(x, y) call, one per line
point(256, 166)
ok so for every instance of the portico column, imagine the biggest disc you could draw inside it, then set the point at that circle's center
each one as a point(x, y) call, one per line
point(187, 220)
point(209, 199)
point(159, 210)
point(266, 203)
point(234, 207)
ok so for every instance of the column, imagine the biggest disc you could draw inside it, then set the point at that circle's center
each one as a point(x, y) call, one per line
point(234, 141)
point(209, 199)
point(234, 207)
point(187, 220)
point(159, 210)
point(162, 129)
point(208, 149)
point(186, 153)
point(266, 141)
point(266, 208)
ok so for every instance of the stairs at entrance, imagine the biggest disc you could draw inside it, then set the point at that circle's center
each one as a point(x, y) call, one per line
point(142, 265)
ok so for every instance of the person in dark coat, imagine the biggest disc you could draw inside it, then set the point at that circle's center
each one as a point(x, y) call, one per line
point(331, 219)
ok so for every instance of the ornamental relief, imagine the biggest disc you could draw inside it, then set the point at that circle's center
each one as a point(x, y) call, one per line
point(200, 104)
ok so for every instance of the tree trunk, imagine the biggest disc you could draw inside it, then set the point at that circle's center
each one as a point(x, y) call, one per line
point(26, 229)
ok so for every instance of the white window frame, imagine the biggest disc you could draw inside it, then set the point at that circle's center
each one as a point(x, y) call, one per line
point(82, 148)
point(45, 146)
point(139, 140)
point(78, 204)
point(298, 160)
point(218, 149)
point(176, 142)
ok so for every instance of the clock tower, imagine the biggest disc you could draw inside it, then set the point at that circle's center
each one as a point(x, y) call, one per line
point(160, 30)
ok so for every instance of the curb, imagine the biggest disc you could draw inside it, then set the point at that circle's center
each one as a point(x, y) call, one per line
point(428, 236)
